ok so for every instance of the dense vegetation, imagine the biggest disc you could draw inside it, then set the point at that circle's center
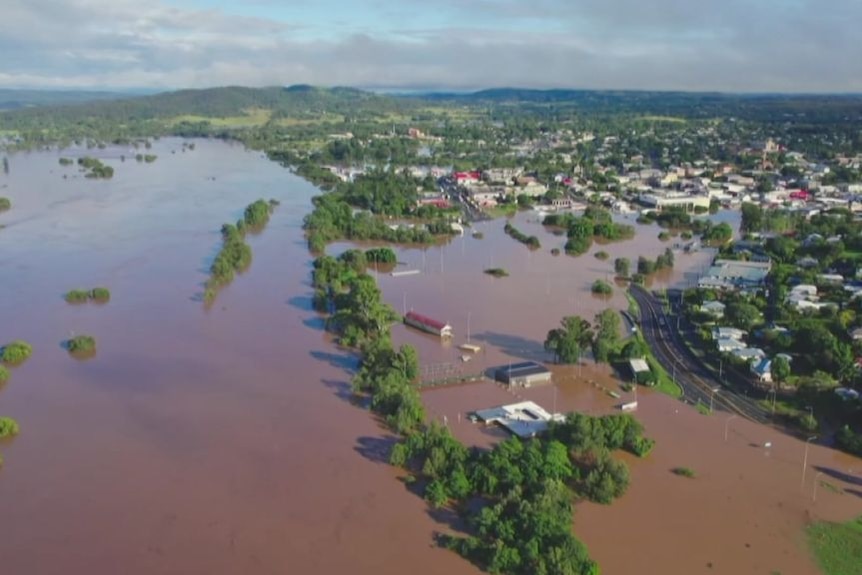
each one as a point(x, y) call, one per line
point(531, 242)
point(595, 224)
point(81, 344)
point(381, 256)
point(526, 488)
point(99, 294)
point(235, 254)
point(16, 352)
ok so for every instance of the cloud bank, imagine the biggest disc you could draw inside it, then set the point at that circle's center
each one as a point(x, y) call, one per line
point(712, 45)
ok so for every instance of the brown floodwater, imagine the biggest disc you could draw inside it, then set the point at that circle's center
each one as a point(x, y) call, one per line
point(225, 441)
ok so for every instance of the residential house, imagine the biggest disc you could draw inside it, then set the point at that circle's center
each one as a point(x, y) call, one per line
point(713, 308)
point(749, 353)
point(727, 345)
point(762, 370)
point(728, 333)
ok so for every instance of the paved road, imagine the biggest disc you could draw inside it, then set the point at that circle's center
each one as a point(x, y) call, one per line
point(696, 381)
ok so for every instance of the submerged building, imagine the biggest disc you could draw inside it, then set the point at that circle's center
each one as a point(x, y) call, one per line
point(524, 419)
point(428, 325)
point(524, 374)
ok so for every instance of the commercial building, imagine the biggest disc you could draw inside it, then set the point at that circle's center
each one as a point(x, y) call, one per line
point(427, 324)
point(524, 374)
point(735, 274)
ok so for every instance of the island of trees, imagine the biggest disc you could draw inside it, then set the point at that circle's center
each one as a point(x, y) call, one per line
point(95, 169)
point(595, 224)
point(16, 352)
point(531, 242)
point(81, 344)
point(235, 254)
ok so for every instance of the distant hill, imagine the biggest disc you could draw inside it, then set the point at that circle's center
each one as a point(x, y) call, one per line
point(17, 99)
point(293, 101)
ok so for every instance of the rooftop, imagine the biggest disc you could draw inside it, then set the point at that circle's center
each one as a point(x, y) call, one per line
point(524, 419)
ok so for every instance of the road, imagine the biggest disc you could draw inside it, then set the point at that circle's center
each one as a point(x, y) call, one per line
point(698, 384)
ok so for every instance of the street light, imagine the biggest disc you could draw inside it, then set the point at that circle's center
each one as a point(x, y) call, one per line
point(727, 425)
point(814, 495)
point(805, 458)
point(712, 397)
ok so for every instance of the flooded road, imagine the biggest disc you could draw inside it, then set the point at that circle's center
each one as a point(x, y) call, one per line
point(224, 441)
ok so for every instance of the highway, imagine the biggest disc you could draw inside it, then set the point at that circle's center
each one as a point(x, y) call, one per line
point(697, 383)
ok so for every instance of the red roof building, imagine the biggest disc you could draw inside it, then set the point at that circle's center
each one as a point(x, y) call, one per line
point(425, 323)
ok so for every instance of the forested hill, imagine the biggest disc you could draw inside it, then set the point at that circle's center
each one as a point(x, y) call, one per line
point(808, 108)
point(294, 101)
point(17, 99)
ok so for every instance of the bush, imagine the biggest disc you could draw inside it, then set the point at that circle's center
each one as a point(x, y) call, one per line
point(77, 296)
point(8, 427)
point(16, 352)
point(601, 255)
point(4, 374)
point(81, 344)
point(601, 287)
point(683, 472)
point(5, 204)
point(664, 236)
point(555, 251)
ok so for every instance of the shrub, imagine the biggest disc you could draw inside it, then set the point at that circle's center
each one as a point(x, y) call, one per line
point(5, 204)
point(100, 294)
point(81, 344)
point(664, 236)
point(555, 251)
point(602, 255)
point(76, 296)
point(8, 427)
point(683, 472)
point(4, 374)
point(16, 352)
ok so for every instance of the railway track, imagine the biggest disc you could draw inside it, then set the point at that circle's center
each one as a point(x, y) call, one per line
point(698, 384)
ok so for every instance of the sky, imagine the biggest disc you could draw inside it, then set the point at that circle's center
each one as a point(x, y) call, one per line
point(694, 45)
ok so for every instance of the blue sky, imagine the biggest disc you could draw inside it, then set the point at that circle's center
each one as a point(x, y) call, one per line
point(715, 45)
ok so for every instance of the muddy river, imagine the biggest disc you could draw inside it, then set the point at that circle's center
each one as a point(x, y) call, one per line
point(224, 441)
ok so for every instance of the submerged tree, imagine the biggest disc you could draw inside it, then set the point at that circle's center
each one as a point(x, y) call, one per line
point(568, 341)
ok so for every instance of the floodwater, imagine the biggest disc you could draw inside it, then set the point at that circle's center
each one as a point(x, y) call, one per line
point(224, 441)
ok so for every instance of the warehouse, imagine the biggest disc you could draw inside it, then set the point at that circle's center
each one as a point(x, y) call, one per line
point(525, 374)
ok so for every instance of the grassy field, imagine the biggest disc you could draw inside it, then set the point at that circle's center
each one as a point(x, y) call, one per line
point(837, 546)
point(256, 117)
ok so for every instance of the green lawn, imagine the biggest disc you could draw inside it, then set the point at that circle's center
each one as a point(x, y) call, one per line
point(837, 546)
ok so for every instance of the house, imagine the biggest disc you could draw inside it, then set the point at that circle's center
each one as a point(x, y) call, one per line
point(713, 308)
point(728, 333)
point(749, 353)
point(728, 345)
point(427, 324)
point(730, 274)
point(762, 370)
